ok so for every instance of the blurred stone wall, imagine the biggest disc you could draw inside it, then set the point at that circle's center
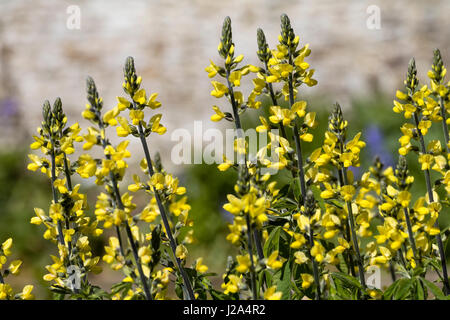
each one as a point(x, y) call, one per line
point(173, 40)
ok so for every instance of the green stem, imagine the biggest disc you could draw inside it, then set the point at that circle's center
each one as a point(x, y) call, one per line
point(444, 123)
point(127, 226)
point(410, 233)
point(237, 121)
point(346, 230)
point(351, 222)
point(55, 195)
point(172, 241)
point(301, 175)
point(252, 263)
point(315, 267)
point(431, 199)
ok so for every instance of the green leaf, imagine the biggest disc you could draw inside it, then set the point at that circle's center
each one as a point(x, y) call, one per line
point(284, 285)
point(342, 264)
point(438, 294)
point(419, 289)
point(387, 295)
point(295, 185)
point(316, 191)
point(273, 241)
point(347, 280)
point(403, 288)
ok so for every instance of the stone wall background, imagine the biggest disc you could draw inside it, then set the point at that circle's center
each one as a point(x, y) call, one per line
point(173, 40)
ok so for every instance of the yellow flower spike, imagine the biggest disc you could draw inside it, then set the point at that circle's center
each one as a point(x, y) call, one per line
point(60, 184)
point(318, 252)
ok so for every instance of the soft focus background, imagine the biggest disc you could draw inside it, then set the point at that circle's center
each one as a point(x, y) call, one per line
point(172, 42)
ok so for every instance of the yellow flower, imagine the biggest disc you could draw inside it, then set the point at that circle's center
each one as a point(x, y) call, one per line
point(271, 294)
point(219, 114)
point(136, 116)
point(426, 160)
point(307, 280)
point(26, 293)
point(156, 126)
point(348, 192)
point(140, 97)
point(232, 285)
point(199, 266)
point(219, 89)
point(14, 267)
point(212, 69)
point(272, 261)
point(6, 247)
point(124, 129)
point(235, 78)
point(181, 252)
point(299, 108)
point(243, 263)
point(300, 257)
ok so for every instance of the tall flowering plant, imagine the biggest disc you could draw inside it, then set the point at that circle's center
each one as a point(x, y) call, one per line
point(318, 233)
